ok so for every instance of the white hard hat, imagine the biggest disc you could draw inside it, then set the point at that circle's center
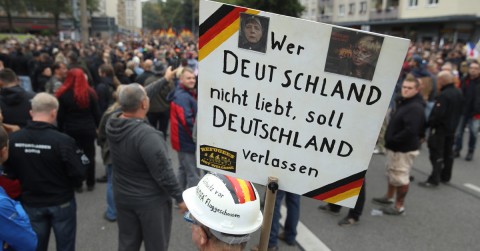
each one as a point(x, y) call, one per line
point(225, 204)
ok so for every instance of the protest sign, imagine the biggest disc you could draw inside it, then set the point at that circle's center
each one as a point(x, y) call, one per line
point(294, 99)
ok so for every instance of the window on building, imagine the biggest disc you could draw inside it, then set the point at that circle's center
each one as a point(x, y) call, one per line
point(392, 3)
point(341, 10)
point(433, 2)
point(376, 4)
point(351, 10)
point(328, 10)
point(321, 10)
point(363, 7)
point(412, 3)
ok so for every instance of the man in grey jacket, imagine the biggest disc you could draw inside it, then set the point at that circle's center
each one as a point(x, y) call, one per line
point(143, 179)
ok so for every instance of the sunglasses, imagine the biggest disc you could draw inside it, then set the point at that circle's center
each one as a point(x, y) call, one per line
point(188, 217)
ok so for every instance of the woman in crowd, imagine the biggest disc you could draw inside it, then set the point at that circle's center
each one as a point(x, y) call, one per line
point(79, 116)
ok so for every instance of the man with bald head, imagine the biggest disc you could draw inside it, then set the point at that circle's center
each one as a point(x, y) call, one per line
point(147, 67)
point(49, 166)
point(442, 122)
point(143, 179)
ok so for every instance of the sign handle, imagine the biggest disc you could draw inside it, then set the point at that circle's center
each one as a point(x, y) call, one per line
point(270, 198)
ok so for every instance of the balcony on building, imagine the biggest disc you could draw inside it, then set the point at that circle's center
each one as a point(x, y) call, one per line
point(390, 12)
point(325, 18)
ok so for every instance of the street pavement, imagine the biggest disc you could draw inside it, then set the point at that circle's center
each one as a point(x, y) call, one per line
point(442, 218)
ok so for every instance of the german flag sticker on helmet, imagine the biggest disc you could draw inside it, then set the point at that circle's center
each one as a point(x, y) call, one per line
point(241, 190)
point(218, 158)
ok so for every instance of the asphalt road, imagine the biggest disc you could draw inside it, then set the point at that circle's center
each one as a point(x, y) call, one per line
point(443, 218)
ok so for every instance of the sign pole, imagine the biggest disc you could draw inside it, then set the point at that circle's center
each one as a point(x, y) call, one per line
point(271, 195)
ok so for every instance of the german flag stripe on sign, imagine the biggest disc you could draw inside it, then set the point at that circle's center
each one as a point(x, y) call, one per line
point(215, 18)
point(219, 27)
point(241, 190)
point(339, 190)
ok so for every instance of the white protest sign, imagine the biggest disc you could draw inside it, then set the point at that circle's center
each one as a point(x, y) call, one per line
point(290, 98)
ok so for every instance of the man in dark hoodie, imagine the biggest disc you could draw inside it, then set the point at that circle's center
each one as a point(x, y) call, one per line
point(442, 123)
point(14, 100)
point(403, 137)
point(143, 178)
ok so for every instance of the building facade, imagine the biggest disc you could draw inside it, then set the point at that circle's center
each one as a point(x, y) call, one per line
point(127, 13)
point(419, 20)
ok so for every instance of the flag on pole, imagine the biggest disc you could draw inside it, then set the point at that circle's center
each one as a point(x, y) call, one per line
point(473, 50)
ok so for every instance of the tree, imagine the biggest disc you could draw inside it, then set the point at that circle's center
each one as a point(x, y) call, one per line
point(285, 7)
point(58, 7)
point(170, 13)
point(92, 5)
point(173, 11)
point(54, 7)
point(152, 16)
point(9, 6)
point(190, 13)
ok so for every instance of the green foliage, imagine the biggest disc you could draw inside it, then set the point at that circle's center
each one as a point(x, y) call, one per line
point(285, 7)
point(54, 7)
point(46, 32)
point(12, 5)
point(19, 37)
point(234, 2)
point(176, 13)
point(152, 15)
point(92, 5)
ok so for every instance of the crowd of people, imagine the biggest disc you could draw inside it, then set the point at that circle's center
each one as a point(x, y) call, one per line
point(59, 98)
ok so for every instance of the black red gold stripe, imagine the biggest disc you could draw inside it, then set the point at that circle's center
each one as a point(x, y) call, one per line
point(219, 27)
point(213, 31)
point(339, 190)
point(241, 190)
point(213, 19)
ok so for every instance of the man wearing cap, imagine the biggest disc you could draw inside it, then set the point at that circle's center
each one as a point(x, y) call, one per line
point(143, 178)
point(251, 35)
point(224, 210)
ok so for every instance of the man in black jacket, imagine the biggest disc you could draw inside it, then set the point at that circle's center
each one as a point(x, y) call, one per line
point(49, 166)
point(147, 67)
point(403, 137)
point(468, 87)
point(442, 122)
point(14, 100)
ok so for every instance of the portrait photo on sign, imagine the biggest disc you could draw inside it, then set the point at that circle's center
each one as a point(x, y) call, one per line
point(253, 32)
point(353, 53)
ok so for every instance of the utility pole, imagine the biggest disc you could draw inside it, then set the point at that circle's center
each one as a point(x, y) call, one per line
point(83, 21)
point(193, 17)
